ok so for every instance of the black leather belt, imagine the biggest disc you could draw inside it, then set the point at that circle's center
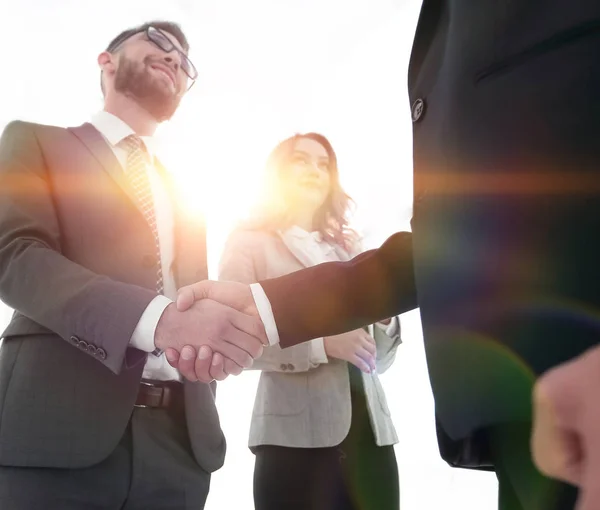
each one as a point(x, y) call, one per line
point(159, 394)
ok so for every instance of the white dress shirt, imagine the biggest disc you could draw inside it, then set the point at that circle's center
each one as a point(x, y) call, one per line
point(318, 251)
point(114, 130)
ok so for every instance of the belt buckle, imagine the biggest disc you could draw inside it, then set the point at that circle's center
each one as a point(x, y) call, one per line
point(149, 385)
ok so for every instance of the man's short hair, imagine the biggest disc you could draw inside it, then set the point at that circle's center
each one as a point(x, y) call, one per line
point(166, 26)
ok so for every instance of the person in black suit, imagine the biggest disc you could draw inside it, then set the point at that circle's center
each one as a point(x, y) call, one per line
point(503, 257)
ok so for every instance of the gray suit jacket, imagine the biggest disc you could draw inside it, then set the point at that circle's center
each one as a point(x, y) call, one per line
point(78, 266)
point(299, 404)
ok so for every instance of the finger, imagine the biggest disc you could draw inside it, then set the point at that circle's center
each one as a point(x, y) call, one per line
point(555, 444)
point(231, 367)
point(217, 371)
point(172, 356)
point(187, 361)
point(360, 363)
point(589, 489)
point(589, 498)
point(369, 345)
point(202, 364)
point(239, 356)
point(187, 296)
point(254, 327)
point(185, 299)
point(229, 346)
point(234, 294)
point(368, 358)
point(368, 338)
point(589, 493)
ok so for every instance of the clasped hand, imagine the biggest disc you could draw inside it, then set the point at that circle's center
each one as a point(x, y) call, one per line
point(213, 330)
point(566, 426)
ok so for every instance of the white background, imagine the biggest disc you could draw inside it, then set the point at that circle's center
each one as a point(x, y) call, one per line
point(268, 68)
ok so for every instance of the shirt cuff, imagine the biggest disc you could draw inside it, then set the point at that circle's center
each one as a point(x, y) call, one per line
point(265, 312)
point(143, 334)
point(317, 352)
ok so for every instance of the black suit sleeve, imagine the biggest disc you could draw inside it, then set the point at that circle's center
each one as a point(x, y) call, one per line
point(335, 297)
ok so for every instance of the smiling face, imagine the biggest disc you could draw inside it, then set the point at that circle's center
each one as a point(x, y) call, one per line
point(302, 187)
point(306, 180)
point(141, 70)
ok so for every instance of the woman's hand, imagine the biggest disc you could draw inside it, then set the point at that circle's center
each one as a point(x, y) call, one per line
point(356, 347)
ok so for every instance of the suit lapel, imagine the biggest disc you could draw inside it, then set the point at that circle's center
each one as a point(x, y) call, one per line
point(427, 27)
point(295, 249)
point(189, 232)
point(94, 141)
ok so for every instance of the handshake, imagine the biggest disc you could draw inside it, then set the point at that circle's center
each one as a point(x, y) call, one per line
point(214, 330)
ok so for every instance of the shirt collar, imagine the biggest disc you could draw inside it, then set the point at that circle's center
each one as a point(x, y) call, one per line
point(113, 129)
point(300, 233)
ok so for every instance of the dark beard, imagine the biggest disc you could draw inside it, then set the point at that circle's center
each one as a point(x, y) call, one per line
point(134, 80)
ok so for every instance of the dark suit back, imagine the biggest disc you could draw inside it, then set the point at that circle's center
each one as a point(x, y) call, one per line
point(77, 262)
point(507, 198)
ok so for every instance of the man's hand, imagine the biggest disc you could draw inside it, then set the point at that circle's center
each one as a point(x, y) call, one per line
point(566, 426)
point(233, 294)
point(235, 336)
point(206, 366)
point(213, 366)
point(356, 347)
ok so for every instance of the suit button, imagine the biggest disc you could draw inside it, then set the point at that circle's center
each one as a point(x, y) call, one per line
point(82, 345)
point(417, 110)
point(149, 261)
point(283, 366)
point(74, 340)
point(291, 367)
point(101, 353)
point(92, 349)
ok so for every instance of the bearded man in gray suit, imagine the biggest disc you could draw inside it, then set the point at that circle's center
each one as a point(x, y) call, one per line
point(93, 248)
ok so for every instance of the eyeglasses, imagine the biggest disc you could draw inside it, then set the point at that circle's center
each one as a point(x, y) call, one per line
point(160, 39)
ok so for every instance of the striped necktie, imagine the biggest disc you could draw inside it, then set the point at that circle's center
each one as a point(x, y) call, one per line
point(136, 169)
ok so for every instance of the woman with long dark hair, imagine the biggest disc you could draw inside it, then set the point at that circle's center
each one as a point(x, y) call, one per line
point(321, 428)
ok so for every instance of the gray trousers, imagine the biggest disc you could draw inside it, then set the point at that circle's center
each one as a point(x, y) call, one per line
point(152, 468)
